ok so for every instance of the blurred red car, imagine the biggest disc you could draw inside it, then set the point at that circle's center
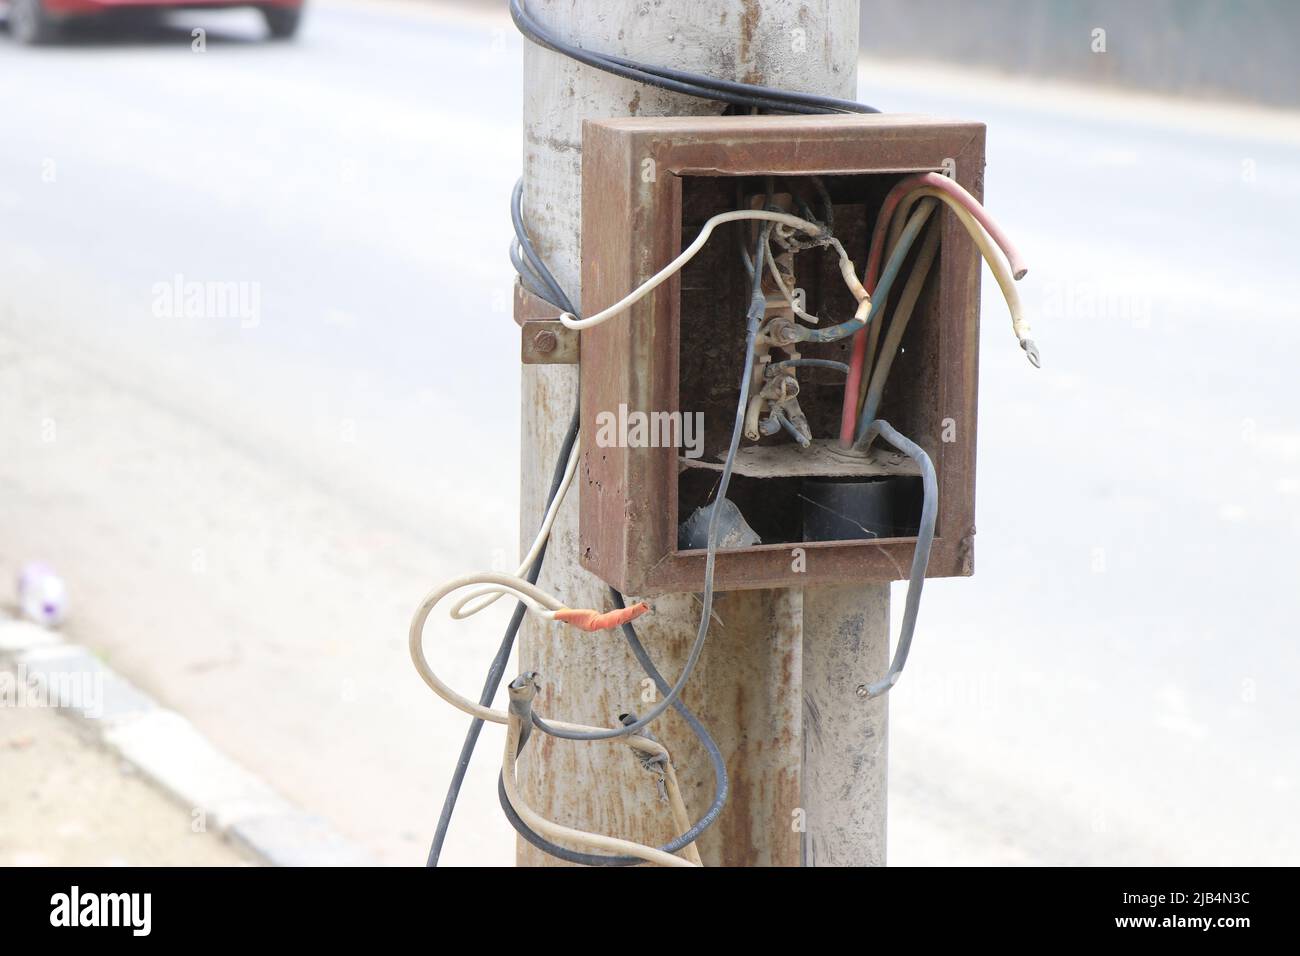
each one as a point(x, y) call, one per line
point(38, 21)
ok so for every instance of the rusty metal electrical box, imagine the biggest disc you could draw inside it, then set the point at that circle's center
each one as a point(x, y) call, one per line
point(659, 384)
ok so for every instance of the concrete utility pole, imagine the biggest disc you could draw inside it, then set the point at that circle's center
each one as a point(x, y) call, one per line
point(777, 682)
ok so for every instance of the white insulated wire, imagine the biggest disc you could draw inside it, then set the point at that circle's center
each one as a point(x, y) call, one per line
point(640, 292)
point(485, 597)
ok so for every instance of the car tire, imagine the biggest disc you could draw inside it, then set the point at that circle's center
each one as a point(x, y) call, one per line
point(30, 24)
point(282, 21)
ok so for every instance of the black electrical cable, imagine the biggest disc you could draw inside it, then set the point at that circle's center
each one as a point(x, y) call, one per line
point(823, 196)
point(498, 667)
point(721, 786)
point(748, 95)
point(828, 206)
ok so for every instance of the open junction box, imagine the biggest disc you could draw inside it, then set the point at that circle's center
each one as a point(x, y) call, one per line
point(649, 185)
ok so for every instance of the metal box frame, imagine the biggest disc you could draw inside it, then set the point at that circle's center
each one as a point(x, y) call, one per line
point(632, 176)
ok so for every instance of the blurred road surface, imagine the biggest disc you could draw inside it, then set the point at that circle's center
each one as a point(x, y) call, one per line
point(248, 507)
point(68, 801)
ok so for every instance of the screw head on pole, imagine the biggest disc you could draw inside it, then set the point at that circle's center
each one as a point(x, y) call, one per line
point(863, 692)
point(545, 341)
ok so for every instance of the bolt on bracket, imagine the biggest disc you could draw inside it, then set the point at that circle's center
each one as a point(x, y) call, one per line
point(548, 342)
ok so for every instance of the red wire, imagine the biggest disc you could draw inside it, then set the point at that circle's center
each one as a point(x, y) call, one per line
point(849, 410)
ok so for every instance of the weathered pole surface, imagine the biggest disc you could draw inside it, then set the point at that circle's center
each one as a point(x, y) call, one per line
point(845, 739)
point(776, 684)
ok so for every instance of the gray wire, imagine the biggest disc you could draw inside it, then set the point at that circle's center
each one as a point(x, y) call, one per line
point(526, 274)
point(920, 557)
point(538, 267)
point(721, 785)
point(757, 307)
point(784, 421)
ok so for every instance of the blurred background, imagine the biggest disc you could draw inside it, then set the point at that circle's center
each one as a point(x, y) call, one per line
point(245, 503)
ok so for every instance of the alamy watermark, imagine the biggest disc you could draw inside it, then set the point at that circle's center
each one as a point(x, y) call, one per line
point(1087, 300)
point(183, 298)
point(638, 429)
point(82, 690)
point(131, 911)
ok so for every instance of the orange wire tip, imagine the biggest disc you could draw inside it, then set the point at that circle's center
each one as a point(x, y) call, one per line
point(588, 620)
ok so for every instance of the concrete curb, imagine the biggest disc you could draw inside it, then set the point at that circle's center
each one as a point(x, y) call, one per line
point(168, 750)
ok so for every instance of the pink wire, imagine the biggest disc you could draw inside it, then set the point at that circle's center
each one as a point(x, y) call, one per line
point(849, 410)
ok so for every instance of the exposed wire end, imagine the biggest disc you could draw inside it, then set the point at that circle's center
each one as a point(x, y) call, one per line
point(784, 422)
point(880, 687)
point(1031, 350)
point(525, 686)
point(653, 763)
point(1020, 273)
point(850, 273)
point(585, 619)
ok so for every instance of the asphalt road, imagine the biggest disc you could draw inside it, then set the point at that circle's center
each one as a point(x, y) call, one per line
point(248, 505)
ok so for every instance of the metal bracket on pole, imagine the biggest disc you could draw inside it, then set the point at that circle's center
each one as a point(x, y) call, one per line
point(548, 342)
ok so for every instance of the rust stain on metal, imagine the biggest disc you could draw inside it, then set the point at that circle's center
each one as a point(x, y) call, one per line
point(548, 342)
point(528, 306)
point(751, 11)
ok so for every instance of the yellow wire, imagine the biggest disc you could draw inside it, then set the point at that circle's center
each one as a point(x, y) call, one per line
point(992, 255)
